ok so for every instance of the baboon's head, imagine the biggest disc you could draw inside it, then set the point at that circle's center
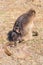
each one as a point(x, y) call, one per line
point(31, 13)
point(12, 36)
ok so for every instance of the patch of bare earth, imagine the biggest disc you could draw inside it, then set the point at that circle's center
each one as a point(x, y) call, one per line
point(27, 52)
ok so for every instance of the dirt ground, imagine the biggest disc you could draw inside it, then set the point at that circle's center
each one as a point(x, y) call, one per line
point(27, 52)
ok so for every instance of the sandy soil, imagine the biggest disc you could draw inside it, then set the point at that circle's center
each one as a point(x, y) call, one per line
point(27, 52)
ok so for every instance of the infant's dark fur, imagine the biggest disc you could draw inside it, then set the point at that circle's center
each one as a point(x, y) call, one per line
point(13, 36)
point(18, 30)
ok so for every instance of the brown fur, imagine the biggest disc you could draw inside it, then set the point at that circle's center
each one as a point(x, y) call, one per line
point(24, 20)
point(22, 28)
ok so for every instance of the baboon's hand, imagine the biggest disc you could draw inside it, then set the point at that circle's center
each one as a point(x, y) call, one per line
point(35, 33)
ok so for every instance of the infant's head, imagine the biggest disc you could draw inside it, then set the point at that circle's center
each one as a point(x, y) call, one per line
point(12, 36)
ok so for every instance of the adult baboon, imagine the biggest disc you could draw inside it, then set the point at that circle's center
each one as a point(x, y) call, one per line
point(22, 28)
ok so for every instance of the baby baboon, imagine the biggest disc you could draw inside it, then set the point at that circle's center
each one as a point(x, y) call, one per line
point(22, 27)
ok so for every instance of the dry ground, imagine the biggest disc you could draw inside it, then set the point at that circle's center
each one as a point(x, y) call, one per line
point(28, 52)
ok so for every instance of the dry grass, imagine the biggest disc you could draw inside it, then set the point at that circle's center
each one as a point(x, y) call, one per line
point(28, 52)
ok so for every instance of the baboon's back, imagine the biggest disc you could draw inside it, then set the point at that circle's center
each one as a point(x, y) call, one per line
point(21, 21)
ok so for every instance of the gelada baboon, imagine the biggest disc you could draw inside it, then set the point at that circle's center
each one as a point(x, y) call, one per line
point(22, 28)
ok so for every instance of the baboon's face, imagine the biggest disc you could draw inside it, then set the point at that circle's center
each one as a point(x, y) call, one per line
point(32, 13)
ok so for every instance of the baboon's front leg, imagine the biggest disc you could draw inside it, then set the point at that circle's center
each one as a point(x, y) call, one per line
point(30, 34)
point(34, 31)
